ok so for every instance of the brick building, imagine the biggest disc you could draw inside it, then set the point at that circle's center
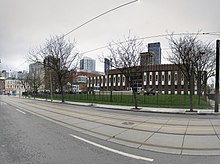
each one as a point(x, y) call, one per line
point(13, 86)
point(79, 79)
point(164, 78)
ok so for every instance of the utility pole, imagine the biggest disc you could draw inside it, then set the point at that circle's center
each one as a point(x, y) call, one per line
point(51, 88)
point(0, 68)
point(217, 77)
point(111, 80)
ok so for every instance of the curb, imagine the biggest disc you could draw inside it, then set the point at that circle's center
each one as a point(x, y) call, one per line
point(185, 112)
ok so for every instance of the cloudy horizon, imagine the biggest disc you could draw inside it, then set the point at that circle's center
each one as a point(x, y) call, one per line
point(26, 24)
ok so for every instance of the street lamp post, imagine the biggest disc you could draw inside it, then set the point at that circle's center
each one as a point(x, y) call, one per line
point(217, 77)
point(111, 80)
point(51, 87)
point(200, 77)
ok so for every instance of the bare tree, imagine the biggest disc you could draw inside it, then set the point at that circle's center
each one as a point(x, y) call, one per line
point(13, 75)
point(24, 79)
point(125, 57)
point(58, 56)
point(206, 66)
point(187, 53)
point(35, 81)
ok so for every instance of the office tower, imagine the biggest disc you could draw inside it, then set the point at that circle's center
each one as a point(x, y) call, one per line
point(147, 58)
point(155, 48)
point(87, 64)
point(106, 65)
point(36, 68)
point(5, 74)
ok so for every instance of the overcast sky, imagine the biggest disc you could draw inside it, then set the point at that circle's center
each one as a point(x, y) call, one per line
point(25, 24)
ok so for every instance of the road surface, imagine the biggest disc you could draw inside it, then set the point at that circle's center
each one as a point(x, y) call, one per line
point(29, 137)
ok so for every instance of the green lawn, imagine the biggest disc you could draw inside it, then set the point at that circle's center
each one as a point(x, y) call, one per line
point(159, 100)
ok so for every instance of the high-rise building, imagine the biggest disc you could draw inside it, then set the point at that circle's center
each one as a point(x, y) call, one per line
point(19, 75)
point(36, 68)
point(147, 58)
point(155, 48)
point(106, 65)
point(5, 74)
point(37, 74)
point(87, 64)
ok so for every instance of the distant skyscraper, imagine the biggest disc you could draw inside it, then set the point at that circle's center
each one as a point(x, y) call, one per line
point(36, 68)
point(106, 65)
point(147, 58)
point(87, 64)
point(19, 75)
point(5, 74)
point(155, 48)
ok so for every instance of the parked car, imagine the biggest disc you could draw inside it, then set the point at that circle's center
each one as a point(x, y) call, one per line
point(149, 91)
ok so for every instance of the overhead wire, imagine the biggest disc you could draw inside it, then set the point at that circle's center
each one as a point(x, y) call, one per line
point(140, 38)
point(90, 20)
point(100, 15)
point(150, 37)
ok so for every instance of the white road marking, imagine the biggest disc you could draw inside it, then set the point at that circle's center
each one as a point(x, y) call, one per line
point(3, 103)
point(113, 150)
point(20, 111)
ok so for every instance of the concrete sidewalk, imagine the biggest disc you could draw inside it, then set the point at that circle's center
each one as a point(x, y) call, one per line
point(182, 136)
point(145, 109)
point(166, 134)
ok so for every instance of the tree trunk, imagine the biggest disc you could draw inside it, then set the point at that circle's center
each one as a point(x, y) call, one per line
point(135, 98)
point(62, 94)
point(199, 100)
point(61, 90)
point(111, 95)
point(191, 101)
point(191, 95)
point(35, 92)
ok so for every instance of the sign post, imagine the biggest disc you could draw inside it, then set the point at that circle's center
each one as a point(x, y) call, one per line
point(217, 77)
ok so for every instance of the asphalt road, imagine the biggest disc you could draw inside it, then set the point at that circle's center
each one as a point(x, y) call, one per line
point(27, 138)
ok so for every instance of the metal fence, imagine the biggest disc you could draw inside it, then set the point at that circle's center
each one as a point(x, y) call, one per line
point(125, 98)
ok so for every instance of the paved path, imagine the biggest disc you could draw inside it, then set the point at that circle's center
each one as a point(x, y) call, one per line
point(167, 134)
